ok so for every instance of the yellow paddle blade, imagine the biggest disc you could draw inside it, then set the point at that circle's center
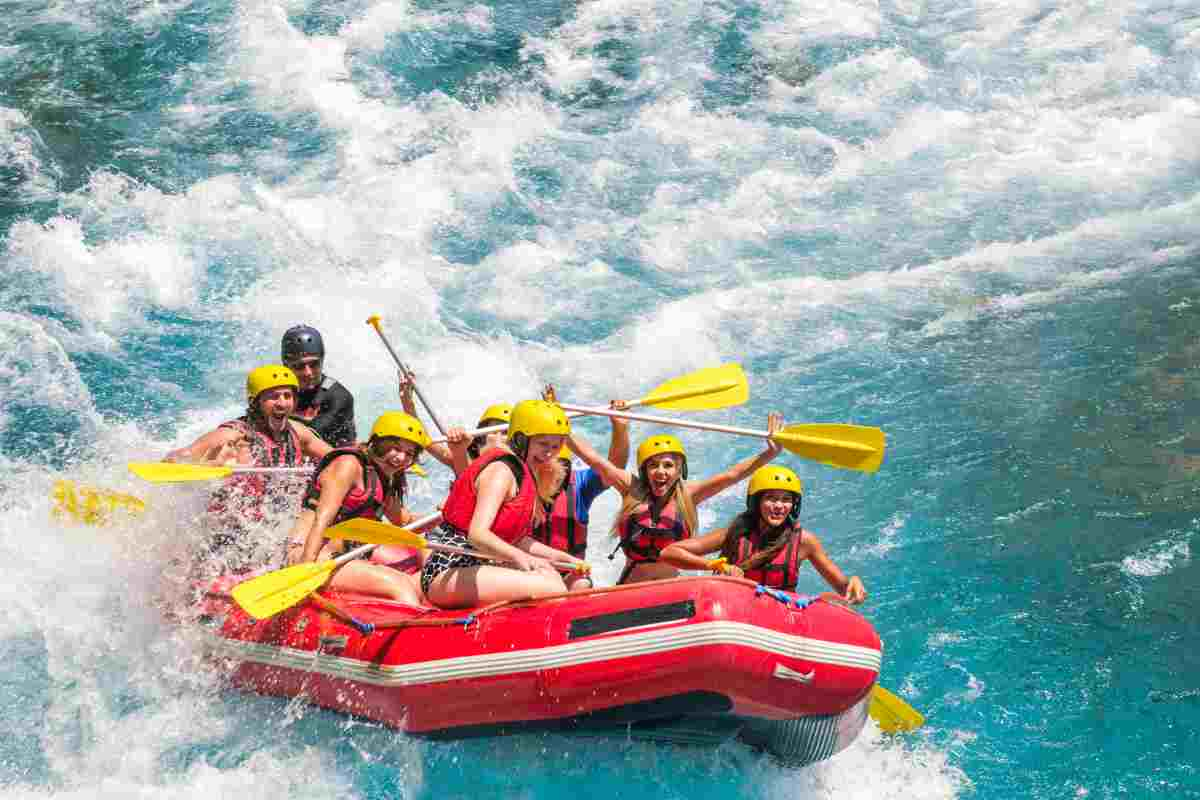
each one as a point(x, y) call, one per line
point(714, 387)
point(267, 595)
point(369, 531)
point(848, 446)
point(892, 713)
point(417, 469)
point(163, 472)
point(90, 505)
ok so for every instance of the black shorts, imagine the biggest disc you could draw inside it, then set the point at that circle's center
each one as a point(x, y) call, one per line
point(440, 562)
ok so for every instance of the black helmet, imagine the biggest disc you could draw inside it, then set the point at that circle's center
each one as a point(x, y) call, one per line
point(301, 341)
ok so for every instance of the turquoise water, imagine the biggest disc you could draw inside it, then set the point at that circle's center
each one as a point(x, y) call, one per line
point(973, 225)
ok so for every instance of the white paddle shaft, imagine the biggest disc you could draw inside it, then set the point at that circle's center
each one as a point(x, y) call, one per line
point(680, 423)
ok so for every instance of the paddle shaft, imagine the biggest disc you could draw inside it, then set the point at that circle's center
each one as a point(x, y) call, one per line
point(681, 423)
point(575, 412)
point(271, 470)
point(374, 323)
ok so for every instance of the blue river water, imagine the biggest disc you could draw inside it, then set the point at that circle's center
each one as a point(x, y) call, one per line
point(974, 225)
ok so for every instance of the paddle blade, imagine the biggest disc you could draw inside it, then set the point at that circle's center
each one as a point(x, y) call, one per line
point(847, 446)
point(163, 472)
point(714, 387)
point(418, 470)
point(92, 506)
point(892, 713)
point(369, 531)
point(267, 595)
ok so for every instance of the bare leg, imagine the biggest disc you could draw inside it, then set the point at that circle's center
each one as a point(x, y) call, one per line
point(361, 576)
point(465, 587)
point(651, 571)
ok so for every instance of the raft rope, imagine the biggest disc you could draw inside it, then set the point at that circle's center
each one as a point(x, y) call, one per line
point(365, 628)
point(800, 600)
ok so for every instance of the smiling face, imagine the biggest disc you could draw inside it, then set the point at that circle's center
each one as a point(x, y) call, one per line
point(662, 471)
point(393, 454)
point(543, 449)
point(774, 506)
point(276, 404)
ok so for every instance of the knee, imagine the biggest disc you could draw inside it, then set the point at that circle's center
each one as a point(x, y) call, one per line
point(551, 583)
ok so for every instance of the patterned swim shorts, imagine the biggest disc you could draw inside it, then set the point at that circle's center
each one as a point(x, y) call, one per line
point(440, 562)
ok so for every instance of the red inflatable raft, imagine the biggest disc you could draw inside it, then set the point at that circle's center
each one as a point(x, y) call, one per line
point(692, 659)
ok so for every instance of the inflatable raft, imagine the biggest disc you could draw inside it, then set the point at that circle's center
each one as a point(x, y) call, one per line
point(696, 659)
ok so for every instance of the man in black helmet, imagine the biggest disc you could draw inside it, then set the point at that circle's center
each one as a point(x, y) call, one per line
point(322, 403)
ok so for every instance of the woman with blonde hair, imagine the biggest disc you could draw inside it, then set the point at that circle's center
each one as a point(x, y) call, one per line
point(491, 509)
point(659, 503)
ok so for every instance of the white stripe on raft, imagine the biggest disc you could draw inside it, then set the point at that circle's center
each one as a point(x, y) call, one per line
point(563, 655)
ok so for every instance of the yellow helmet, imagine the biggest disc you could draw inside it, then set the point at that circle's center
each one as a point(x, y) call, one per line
point(655, 445)
point(269, 376)
point(399, 425)
point(500, 411)
point(538, 418)
point(774, 477)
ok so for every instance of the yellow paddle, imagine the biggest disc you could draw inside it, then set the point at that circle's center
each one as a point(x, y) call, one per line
point(267, 595)
point(90, 505)
point(892, 713)
point(702, 390)
point(847, 446)
point(375, 322)
point(166, 472)
point(371, 531)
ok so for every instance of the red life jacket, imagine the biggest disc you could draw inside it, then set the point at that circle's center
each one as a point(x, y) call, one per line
point(245, 493)
point(514, 516)
point(562, 529)
point(369, 501)
point(643, 537)
point(782, 571)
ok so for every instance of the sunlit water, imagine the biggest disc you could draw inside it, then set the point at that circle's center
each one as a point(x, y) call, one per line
point(974, 225)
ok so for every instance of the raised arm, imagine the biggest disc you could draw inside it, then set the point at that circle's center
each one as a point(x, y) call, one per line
point(609, 473)
point(618, 445)
point(201, 449)
point(701, 490)
point(441, 451)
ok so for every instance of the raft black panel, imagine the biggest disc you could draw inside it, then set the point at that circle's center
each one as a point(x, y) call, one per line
point(633, 618)
point(646, 717)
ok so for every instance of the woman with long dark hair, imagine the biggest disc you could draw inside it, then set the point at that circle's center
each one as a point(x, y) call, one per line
point(766, 543)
